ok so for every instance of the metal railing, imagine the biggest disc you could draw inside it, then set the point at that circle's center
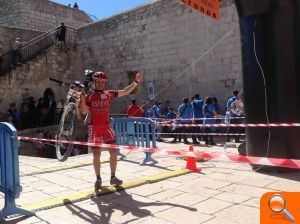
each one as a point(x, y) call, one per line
point(138, 132)
point(34, 47)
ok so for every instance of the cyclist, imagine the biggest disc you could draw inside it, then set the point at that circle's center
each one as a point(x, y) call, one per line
point(97, 104)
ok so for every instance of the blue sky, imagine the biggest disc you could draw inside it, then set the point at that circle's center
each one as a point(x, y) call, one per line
point(104, 8)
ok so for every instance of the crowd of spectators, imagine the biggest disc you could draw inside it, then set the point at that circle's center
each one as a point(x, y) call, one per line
point(191, 111)
point(32, 114)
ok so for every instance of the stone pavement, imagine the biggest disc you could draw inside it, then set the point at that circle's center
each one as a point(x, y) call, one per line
point(223, 193)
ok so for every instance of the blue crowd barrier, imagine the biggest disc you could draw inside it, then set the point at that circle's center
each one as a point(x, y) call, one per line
point(138, 132)
point(9, 171)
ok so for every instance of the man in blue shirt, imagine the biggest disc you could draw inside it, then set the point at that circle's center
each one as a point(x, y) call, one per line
point(209, 112)
point(234, 113)
point(197, 105)
point(171, 116)
point(185, 112)
point(165, 109)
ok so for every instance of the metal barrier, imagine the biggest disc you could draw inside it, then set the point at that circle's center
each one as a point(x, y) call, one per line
point(138, 132)
point(9, 171)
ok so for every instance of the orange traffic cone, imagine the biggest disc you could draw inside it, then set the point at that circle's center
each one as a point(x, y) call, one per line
point(191, 162)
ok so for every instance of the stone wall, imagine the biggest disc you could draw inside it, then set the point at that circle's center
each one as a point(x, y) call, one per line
point(32, 78)
point(9, 34)
point(39, 14)
point(174, 47)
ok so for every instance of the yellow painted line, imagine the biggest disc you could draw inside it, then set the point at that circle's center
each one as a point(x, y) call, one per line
point(105, 190)
point(58, 168)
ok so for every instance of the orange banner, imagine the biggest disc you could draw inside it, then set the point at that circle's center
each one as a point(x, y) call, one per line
point(210, 8)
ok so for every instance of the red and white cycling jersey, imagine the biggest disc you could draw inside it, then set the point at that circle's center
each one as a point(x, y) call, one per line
point(99, 107)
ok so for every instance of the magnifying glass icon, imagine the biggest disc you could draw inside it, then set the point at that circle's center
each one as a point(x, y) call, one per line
point(277, 204)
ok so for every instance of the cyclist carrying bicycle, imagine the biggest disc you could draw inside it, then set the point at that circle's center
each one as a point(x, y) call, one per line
point(97, 104)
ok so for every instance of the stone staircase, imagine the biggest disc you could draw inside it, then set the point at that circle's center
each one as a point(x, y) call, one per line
point(35, 47)
point(32, 77)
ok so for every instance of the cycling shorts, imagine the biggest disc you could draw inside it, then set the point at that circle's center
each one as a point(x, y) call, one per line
point(101, 135)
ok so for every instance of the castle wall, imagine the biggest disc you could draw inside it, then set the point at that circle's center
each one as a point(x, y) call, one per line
point(40, 14)
point(176, 48)
point(179, 50)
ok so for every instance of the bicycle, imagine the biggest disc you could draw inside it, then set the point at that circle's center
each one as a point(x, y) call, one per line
point(69, 120)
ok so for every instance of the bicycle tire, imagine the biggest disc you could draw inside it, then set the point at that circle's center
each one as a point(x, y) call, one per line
point(66, 131)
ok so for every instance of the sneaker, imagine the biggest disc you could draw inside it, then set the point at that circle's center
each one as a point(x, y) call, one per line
point(115, 181)
point(98, 184)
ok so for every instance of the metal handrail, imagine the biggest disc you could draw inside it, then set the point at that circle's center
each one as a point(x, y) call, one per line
point(33, 47)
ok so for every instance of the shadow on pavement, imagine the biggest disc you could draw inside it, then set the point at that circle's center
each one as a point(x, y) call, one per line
point(107, 208)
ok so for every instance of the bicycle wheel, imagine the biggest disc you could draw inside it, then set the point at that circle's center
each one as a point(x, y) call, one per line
point(67, 132)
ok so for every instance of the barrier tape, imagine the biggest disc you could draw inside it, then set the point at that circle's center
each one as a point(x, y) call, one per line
point(232, 125)
point(220, 134)
point(196, 119)
point(288, 163)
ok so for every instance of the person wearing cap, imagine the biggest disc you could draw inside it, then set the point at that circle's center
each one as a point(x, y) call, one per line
point(97, 104)
point(134, 110)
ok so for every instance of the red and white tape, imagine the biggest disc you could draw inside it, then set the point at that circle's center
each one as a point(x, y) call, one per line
point(232, 125)
point(288, 163)
point(216, 134)
point(196, 119)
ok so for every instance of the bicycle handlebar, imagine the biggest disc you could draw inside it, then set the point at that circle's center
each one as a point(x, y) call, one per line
point(61, 83)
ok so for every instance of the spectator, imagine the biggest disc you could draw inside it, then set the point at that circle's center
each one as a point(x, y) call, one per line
point(16, 52)
point(165, 109)
point(234, 113)
point(157, 111)
point(134, 110)
point(24, 110)
point(185, 112)
point(32, 113)
point(217, 106)
point(197, 105)
point(62, 32)
point(149, 112)
point(15, 115)
point(154, 105)
point(76, 6)
point(209, 112)
point(42, 112)
point(51, 106)
point(171, 114)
